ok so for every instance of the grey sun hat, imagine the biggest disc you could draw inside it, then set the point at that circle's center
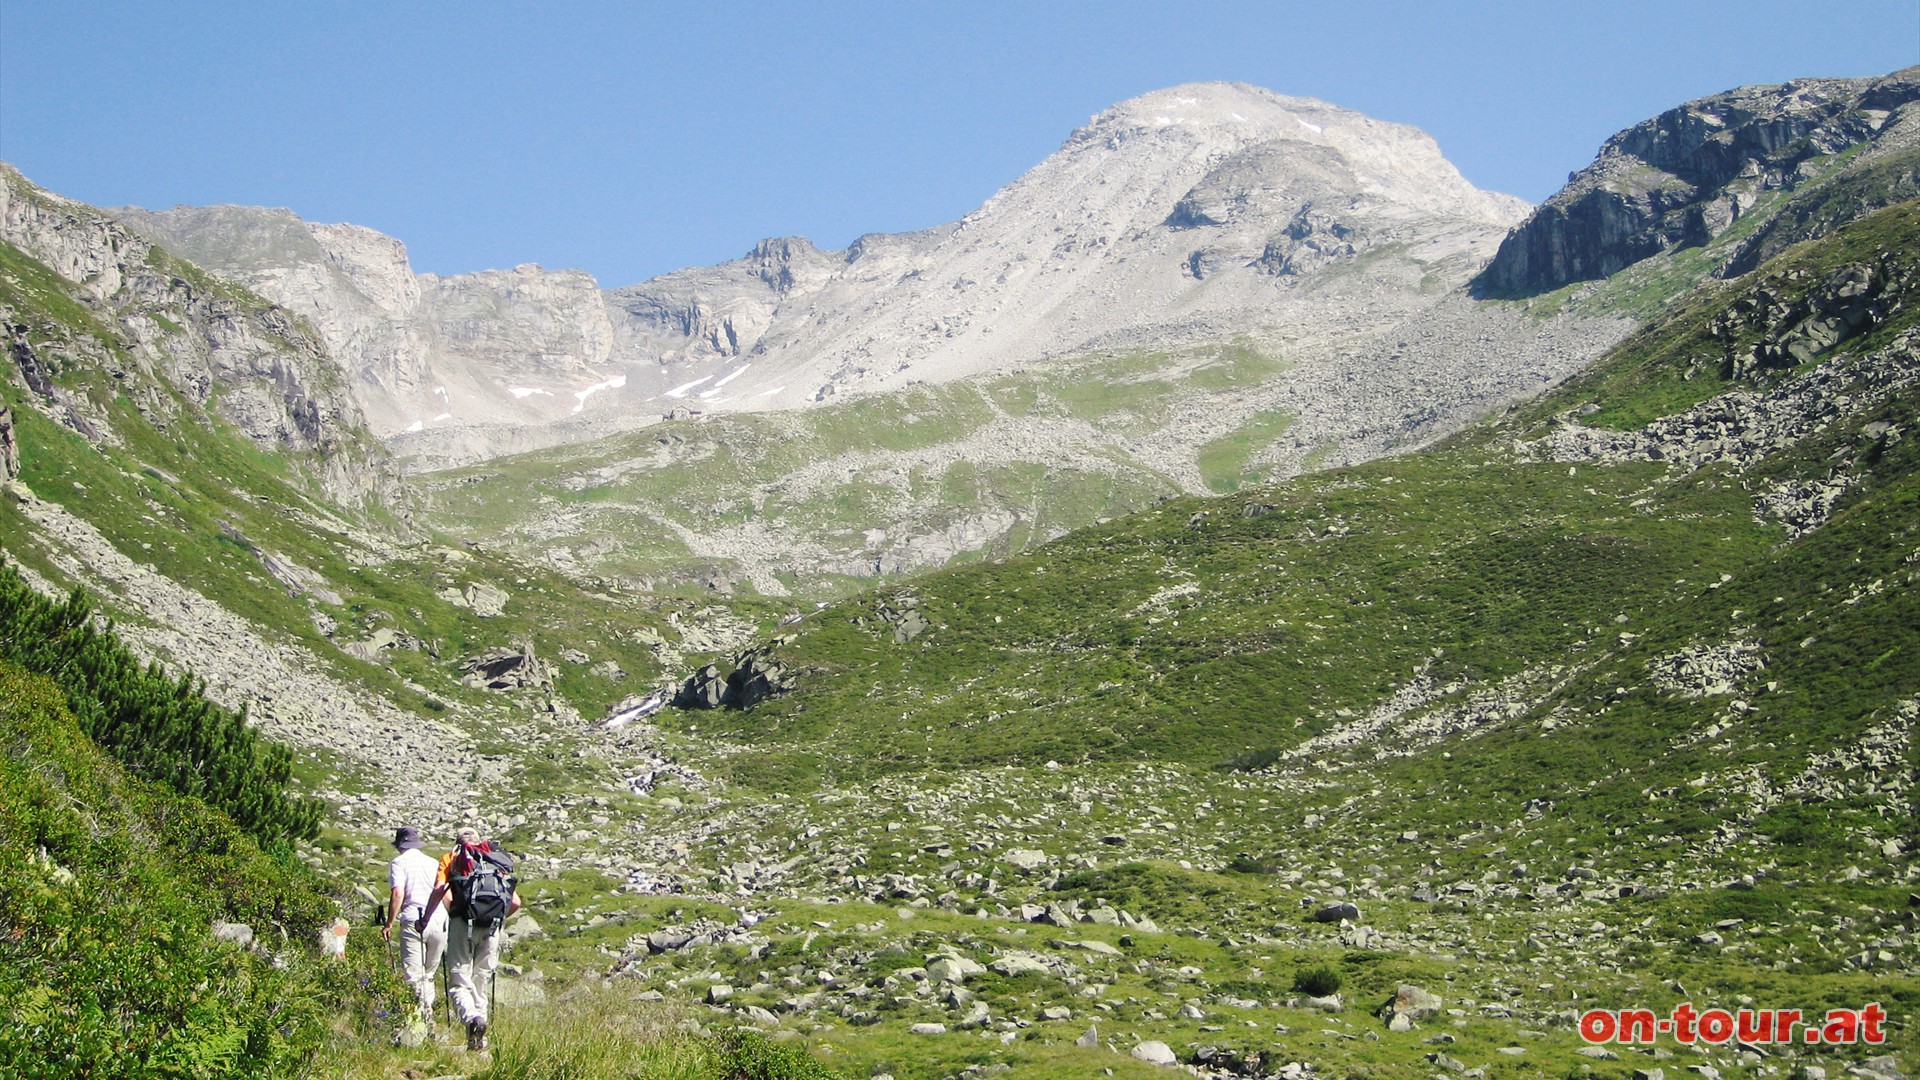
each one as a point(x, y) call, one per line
point(406, 838)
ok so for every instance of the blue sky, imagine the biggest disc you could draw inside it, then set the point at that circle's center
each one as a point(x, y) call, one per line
point(630, 139)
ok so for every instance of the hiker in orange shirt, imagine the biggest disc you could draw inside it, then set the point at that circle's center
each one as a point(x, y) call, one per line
point(477, 884)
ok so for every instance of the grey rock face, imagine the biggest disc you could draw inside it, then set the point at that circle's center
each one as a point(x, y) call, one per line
point(256, 365)
point(1107, 236)
point(1687, 175)
point(9, 446)
point(496, 347)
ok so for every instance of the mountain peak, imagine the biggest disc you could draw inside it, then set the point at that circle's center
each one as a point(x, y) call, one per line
point(1229, 108)
point(1212, 103)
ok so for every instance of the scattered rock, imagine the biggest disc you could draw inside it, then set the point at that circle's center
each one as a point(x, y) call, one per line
point(238, 933)
point(1411, 1004)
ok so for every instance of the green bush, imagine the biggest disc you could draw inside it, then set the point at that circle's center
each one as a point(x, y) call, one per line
point(163, 729)
point(1318, 981)
point(749, 1055)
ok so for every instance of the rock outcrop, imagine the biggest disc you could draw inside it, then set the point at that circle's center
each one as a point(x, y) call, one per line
point(756, 676)
point(510, 668)
point(9, 446)
point(1687, 175)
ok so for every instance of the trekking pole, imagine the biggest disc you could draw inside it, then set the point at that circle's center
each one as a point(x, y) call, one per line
point(446, 980)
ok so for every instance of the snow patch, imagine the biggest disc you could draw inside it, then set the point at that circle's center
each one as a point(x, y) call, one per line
point(443, 416)
point(581, 396)
point(1315, 128)
point(527, 391)
point(681, 390)
point(417, 425)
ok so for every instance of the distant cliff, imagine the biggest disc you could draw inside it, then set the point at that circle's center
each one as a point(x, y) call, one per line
point(1693, 172)
point(174, 329)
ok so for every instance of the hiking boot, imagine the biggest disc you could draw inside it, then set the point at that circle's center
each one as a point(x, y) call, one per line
point(477, 1033)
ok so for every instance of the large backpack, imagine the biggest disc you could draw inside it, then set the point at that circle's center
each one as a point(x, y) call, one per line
point(483, 884)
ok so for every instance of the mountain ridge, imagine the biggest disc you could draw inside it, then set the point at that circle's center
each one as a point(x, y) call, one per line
point(1097, 223)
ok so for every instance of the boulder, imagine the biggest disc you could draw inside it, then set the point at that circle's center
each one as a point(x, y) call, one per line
point(239, 933)
point(1154, 1052)
point(521, 927)
point(1333, 913)
point(517, 994)
point(952, 969)
point(756, 677)
point(1018, 964)
point(1410, 1005)
point(661, 941)
point(704, 689)
point(1025, 859)
point(486, 600)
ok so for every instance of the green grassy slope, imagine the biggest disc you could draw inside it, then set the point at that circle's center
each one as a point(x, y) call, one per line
point(108, 888)
point(1581, 731)
point(670, 505)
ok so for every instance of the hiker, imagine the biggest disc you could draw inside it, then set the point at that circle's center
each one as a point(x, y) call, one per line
point(476, 882)
point(411, 877)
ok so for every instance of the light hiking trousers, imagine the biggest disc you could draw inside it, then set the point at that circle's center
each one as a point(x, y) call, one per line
point(420, 956)
point(473, 952)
